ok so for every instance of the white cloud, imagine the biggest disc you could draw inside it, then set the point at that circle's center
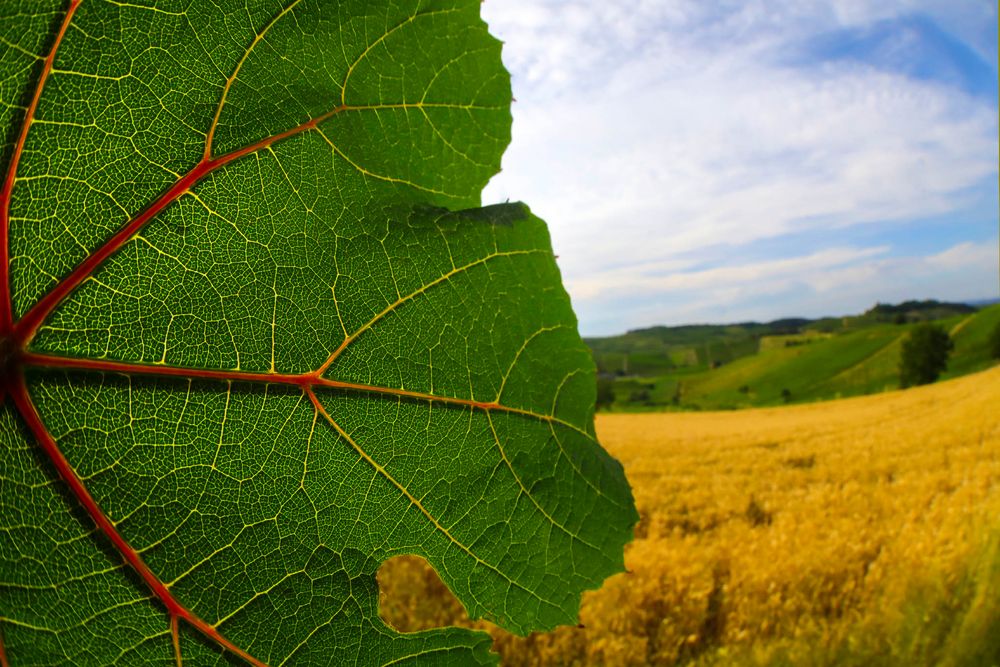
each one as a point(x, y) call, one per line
point(646, 133)
point(656, 279)
point(963, 255)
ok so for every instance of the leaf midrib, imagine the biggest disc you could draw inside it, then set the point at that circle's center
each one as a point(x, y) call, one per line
point(310, 380)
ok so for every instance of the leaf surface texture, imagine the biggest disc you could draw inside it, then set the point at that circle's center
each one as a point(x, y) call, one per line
point(260, 319)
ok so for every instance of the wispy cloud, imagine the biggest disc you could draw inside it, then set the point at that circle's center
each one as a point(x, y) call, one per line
point(648, 134)
point(827, 282)
point(732, 280)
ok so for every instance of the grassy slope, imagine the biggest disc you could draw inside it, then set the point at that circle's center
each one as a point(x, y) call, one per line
point(971, 338)
point(801, 370)
point(862, 362)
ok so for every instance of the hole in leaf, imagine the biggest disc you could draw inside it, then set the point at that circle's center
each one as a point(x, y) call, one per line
point(412, 596)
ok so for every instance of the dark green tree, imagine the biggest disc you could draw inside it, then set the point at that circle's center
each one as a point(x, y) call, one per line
point(605, 392)
point(925, 355)
point(995, 342)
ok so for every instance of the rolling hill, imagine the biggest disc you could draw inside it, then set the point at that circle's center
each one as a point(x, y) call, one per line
point(790, 361)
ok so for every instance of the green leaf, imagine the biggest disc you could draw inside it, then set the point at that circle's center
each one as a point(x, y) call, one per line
point(256, 337)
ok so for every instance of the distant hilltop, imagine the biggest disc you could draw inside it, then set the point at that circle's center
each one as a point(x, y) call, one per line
point(913, 311)
point(980, 303)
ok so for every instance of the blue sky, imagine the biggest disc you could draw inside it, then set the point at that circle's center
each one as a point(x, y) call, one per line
point(725, 161)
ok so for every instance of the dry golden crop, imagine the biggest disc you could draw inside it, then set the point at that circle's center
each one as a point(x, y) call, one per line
point(861, 531)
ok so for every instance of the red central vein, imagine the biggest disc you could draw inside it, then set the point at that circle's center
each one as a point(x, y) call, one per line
point(22, 400)
point(6, 312)
point(102, 366)
point(3, 651)
point(305, 381)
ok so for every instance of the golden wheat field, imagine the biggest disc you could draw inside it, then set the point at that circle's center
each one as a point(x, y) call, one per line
point(854, 532)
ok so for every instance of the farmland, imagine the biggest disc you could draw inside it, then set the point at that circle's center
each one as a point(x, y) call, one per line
point(860, 531)
point(751, 365)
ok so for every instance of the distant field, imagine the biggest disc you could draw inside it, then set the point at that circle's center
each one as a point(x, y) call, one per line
point(857, 532)
point(798, 368)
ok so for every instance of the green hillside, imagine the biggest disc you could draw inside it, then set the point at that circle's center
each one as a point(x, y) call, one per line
point(752, 364)
point(971, 339)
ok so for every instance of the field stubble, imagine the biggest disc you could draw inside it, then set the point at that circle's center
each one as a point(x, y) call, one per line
point(862, 531)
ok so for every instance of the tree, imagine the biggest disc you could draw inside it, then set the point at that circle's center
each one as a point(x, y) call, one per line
point(605, 391)
point(925, 355)
point(994, 344)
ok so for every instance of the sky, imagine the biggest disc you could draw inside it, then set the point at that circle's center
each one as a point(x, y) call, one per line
point(740, 160)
